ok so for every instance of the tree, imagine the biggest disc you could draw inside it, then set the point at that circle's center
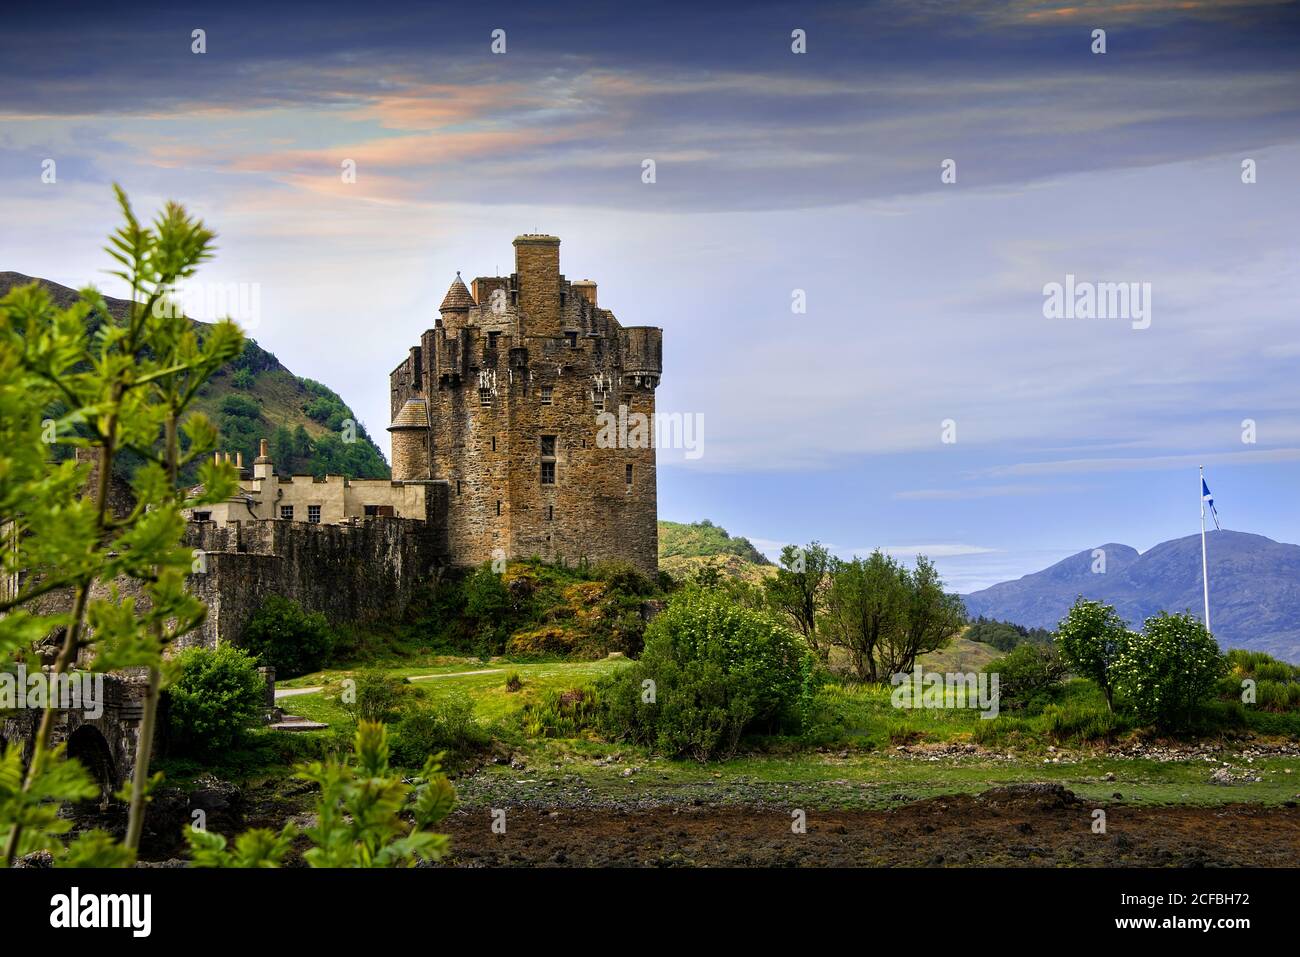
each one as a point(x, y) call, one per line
point(866, 606)
point(930, 618)
point(1091, 639)
point(1168, 669)
point(287, 638)
point(795, 588)
point(125, 392)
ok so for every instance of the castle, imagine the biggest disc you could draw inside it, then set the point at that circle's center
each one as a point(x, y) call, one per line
point(501, 399)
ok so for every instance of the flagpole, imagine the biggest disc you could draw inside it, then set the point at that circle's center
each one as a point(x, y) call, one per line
point(1205, 568)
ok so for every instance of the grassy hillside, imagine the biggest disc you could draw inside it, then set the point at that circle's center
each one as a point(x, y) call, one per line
point(685, 549)
point(256, 397)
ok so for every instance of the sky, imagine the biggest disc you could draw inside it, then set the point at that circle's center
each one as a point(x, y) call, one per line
point(922, 401)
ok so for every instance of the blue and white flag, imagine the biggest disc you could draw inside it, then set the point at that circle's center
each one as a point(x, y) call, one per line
point(1208, 499)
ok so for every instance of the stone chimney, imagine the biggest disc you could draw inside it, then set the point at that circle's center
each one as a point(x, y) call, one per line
point(262, 467)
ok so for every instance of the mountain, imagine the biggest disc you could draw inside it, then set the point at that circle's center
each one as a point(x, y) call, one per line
point(1254, 589)
point(256, 397)
point(684, 549)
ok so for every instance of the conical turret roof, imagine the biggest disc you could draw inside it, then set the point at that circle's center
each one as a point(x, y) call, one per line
point(457, 297)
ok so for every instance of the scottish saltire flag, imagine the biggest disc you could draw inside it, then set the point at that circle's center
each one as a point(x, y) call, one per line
point(1208, 499)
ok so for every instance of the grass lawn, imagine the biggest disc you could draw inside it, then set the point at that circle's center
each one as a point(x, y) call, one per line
point(858, 764)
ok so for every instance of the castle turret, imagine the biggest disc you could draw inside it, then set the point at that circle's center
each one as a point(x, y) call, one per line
point(456, 305)
point(410, 431)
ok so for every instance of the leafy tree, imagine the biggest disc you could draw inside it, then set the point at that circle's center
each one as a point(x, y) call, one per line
point(866, 606)
point(1091, 639)
point(930, 618)
point(287, 638)
point(796, 587)
point(710, 672)
point(358, 816)
point(1165, 672)
point(123, 392)
point(216, 697)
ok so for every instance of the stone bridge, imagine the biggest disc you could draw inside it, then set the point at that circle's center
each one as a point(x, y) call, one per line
point(105, 744)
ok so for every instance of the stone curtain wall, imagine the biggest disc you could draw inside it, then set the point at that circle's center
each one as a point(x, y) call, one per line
point(351, 573)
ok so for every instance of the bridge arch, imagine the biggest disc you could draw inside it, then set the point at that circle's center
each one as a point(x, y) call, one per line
point(88, 745)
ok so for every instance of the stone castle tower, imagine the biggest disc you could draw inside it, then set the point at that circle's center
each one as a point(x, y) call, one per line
point(502, 399)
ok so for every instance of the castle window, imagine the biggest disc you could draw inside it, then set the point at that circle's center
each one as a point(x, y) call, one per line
point(498, 506)
point(494, 443)
point(627, 399)
point(548, 460)
point(628, 475)
point(485, 398)
point(599, 400)
point(547, 394)
point(286, 512)
point(459, 485)
point(371, 511)
point(550, 513)
point(202, 516)
point(573, 339)
point(313, 514)
point(492, 339)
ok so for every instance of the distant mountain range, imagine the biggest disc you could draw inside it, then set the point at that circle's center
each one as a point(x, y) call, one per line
point(1254, 589)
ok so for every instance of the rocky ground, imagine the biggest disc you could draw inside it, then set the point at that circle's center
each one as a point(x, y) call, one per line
point(1023, 825)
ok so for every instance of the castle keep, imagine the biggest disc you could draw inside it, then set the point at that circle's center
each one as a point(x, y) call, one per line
point(501, 400)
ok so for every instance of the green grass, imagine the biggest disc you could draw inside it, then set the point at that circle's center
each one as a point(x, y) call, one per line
point(856, 766)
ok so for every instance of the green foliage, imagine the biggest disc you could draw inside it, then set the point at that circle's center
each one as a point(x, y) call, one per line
point(796, 589)
point(1029, 676)
point(292, 641)
point(885, 615)
point(216, 697)
point(710, 672)
point(445, 729)
point(35, 809)
point(1168, 670)
point(358, 816)
point(677, 540)
point(242, 379)
point(377, 696)
point(514, 682)
point(1004, 635)
point(120, 392)
point(1091, 639)
point(560, 714)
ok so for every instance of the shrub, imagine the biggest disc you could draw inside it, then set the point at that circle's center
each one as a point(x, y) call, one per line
point(376, 696)
point(1091, 638)
point(1169, 670)
point(446, 727)
point(560, 714)
point(1079, 721)
point(1028, 677)
point(711, 671)
point(514, 682)
point(287, 638)
point(242, 379)
point(217, 695)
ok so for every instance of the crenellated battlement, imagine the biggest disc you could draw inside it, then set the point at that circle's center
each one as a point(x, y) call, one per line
point(510, 380)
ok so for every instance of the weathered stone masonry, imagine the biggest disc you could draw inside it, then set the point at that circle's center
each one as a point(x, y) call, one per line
point(501, 397)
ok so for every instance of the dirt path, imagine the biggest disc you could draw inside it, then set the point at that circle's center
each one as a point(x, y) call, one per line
point(1032, 825)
